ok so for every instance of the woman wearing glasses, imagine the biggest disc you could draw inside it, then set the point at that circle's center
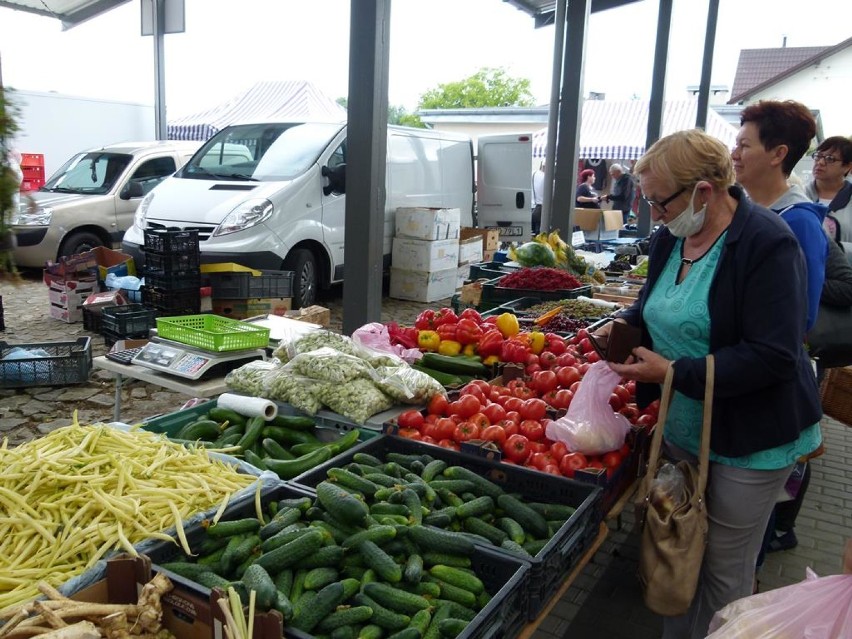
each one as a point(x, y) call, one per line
point(832, 164)
point(726, 277)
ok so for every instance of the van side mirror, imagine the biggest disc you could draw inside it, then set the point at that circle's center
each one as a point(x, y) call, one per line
point(131, 190)
point(336, 179)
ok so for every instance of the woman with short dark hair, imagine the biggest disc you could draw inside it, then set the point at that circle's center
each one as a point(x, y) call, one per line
point(830, 186)
point(585, 196)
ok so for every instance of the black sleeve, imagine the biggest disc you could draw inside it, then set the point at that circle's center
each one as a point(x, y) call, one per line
point(837, 288)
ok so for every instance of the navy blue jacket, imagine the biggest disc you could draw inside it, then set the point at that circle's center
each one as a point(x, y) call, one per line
point(766, 392)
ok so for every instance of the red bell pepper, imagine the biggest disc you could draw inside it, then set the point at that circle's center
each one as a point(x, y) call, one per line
point(471, 314)
point(490, 343)
point(555, 343)
point(445, 316)
point(468, 331)
point(514, 351)
point(425, 321)
point(448, 332)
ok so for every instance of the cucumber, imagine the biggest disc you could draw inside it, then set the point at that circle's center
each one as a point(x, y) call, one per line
point(440, 540)
point(281, 520)
point(406, 633)
point(513, 546)
point(290, 468)
point(454, 593)
point(288, 436)
point(513, 529)
point(386, 508)
point(212, 580)
point(482, 485)
point(213, 560)
point(320, 577)
point(453, 365)
point(457, 577)
point(220, 414)
point(308, 447)
point(382, 616)
point(457, 561)
point(225, 441)
point(254, 427)
point(294, 422)
point(478, 527)
point(457, 486)
point(367, 459)
point(253, 458)
point(433, 469)
point(205, 429)
point(321, 606)
point(290, 553)
point(238, 551)
point(441, 518)
point(433, 631)
point(413, 568)
point(427, 589)
point(325, 557)
point(553, 511)
point(476, 507)
point(345, 442)
point(534, 547)
point(238, 429)
point(231, 528)
point(379, 535)
point(302, 503)
point(371, 631)
point(275, 450)
point(281, 538)
point(421, 620)
point(284, 582)
point(186, 569)
point(444, 379)
point(210, 544)
point(351, 616)
point(348, 479)
point(344, 506)
point(451, 628)
point(256, 578)
point(381, 562)
point(531, 521)
point(283, 605)
point(298, 587)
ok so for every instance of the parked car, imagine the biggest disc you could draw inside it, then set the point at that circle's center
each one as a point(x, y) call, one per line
point(90, 201)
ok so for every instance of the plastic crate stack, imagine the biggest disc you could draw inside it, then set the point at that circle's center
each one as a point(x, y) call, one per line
point(32, 166)
point(172, 272)
point(128, 321)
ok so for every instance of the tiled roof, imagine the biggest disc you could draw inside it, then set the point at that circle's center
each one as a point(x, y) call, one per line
point(761, 67)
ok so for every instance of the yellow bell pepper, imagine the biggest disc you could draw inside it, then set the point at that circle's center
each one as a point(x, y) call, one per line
point(469, 349)
point(449, 347)
point(508, 325)
point(491, 360)
point(428, 340)
point(536, 341)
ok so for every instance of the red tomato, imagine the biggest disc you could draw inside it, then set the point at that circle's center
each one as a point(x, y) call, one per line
point(514, 415)
point(533, 409)
point(571, 463)
point(547, 359)
point(532, 429)
point(612, 459)
point(550, 398)
point(494, 412)
point(582, 333)
point(566, 359)
point(653, 408)
point(630, 385)
point(552, 469)
point(429, 440)
point(467, 405)
point(448, 443)
point(494, 433)
point(445, 427)
point(480, 419)
point(563, 398)
point(410, 419)
point(530, 370)
point(623, 393)
point(567, 375)
point(592, 357)
point(438, 405)
point(494, 395)
point(554, 343)
point(540, 460)
point(482, 385)
point(558, 450)
point(544, 382)
point(584, 368)
point(513, 404)
point(574, 387)
point(585, 345)
point(516, 448)
point(466, 431)
point(430, 430)
point(509, 426)
point(532, 358)
point(410, 433)
point(595, 463)
point(537, 447)
point(457, 419)
point(646, 421)
point(431, 419)
point(631, 412)
point(615, 402)
point(475, 391)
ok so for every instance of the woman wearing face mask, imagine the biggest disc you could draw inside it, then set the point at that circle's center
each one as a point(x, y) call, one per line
point(727, 277)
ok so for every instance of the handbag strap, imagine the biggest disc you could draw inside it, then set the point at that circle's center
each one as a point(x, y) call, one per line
point(704, 447)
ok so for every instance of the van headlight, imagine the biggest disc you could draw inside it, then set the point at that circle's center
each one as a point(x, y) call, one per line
point(31, 214)
point(247, 214)
point(142, 210)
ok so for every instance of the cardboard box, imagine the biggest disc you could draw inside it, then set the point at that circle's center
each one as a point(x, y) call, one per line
point(423, 286)
point(110, 261)
point(488, 256)
point(124, 344)
point(96, 301)
point(68, 267)
point(470, 251)
point(591, 219)
point(471, 293)
point(461, 277)
point(83, 288)
point(84, 280)
point(241, 309)
point(66, 300)
point(422, 223)
point(312, 314)
point(67, 315)
point(490, 237)
point(424, 255)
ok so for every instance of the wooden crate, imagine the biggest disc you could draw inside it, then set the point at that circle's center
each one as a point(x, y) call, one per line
point(836, 394)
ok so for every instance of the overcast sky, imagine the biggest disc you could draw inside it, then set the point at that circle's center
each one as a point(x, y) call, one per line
point(230, 44)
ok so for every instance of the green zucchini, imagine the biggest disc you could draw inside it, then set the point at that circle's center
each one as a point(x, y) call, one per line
point(295, 422)
point(444, 379)
point(275, 450)
point(205, 429)
point(254, 427)
point(288, 469)
point(288, 436)
point(453, 365)
point(220, 414)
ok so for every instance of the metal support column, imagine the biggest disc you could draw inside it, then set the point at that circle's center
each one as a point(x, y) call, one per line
point(658, 91)
point(369, 48)
point(570, 115)
point(553, 114)
point(159, 23)
point(707, 64)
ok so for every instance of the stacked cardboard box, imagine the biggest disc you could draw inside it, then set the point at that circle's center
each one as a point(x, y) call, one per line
point(470, 252)
point(490, 239)
point(67, 297)
point(424, 262)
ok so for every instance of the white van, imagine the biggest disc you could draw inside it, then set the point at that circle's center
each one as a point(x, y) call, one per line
point(504, 185)
point(284, 206)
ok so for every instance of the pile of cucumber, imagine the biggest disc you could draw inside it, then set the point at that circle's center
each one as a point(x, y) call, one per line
point(287, 445)
point(364, 560)
point(453, 370)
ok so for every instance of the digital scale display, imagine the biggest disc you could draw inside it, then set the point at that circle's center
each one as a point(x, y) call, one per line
point(185, 361)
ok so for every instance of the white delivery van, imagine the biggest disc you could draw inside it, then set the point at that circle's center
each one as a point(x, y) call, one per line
point(504, 185)
point(91, 199)
point(284, 207)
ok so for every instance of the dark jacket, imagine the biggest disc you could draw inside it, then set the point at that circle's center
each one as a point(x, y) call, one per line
point(621, 195)
point(765, 392)
point(837, 288)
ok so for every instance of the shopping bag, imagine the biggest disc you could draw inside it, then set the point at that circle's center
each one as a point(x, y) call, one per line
point(816, 608)
point(672, 514)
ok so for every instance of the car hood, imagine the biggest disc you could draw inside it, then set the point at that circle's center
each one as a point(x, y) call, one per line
point(54, 200)
point(204, 201)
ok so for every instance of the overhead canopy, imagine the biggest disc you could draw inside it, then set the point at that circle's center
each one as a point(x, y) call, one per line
point(69, 12)
point(617, 130)
point(295, 100)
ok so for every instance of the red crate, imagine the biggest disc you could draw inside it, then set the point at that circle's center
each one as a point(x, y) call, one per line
point(33, 172)
point(31, 185)
point(32, 159)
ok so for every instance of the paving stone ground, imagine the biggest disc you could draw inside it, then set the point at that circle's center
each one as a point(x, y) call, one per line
point(604, 602)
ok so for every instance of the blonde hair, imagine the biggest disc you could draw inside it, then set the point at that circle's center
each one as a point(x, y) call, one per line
point(689, 157)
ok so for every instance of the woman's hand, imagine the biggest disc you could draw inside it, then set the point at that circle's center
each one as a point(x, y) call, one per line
point(644, 366)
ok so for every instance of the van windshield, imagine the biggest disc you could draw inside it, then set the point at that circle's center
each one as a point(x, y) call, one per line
point(92, 173)
point(260, 152)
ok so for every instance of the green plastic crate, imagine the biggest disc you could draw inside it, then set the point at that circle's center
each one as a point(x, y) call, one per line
point(212, 332)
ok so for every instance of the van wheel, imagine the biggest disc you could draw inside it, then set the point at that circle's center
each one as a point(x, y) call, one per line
point(79, 243)
point(305, 277)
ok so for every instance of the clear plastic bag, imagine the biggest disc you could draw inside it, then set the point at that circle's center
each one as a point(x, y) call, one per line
point(668, 490)
point(300, 392)
point(358, 400)
point(591, 426)
point(407, 385)
point(330, 365)
point(252, 378)
point(375, 337)
point(816, 608)
point(288, 348)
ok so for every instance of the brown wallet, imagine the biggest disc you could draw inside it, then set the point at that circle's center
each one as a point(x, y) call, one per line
point(623, 338)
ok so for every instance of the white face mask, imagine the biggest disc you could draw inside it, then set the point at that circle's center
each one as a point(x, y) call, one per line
point(689, 222)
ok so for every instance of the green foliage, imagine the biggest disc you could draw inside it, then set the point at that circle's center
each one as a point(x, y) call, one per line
point(486, 88)
point(9, 113)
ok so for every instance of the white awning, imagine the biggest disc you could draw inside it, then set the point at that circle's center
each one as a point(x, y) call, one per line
point(612, 130)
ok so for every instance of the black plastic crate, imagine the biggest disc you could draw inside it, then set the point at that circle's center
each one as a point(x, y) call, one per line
point(128, 320)
point(490, 270)
point(174, 281)
point(172, 240)
point(162, 264)
point(553, 563)
point(165, 303)
point(45, 363)
point(492, 292)
point(506, 578)
point(91, 320)
point(244, 285)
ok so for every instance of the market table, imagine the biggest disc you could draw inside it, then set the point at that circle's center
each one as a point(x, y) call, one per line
point(201, 388)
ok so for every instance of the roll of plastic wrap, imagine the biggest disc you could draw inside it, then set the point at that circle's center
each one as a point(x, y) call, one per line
point(248, 406)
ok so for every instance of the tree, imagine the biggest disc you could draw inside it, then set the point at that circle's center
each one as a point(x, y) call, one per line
point(486, 88)
point(9, 184)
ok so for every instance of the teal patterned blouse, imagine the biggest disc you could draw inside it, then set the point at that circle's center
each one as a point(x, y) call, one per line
point(678, 319)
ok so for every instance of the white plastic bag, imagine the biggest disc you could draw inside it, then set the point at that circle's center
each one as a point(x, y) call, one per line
point(591, 426)
point(375, 336)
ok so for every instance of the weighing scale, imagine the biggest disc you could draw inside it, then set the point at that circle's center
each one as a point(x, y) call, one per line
point(190, 362)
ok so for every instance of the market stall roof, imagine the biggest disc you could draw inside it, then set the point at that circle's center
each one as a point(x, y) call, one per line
point(616, 130)
point(277, 101)
point(69, 12)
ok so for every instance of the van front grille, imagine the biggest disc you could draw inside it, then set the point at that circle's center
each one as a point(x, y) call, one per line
point(204, 230)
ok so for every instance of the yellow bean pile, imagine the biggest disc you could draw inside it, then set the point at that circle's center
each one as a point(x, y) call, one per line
point(73, 496)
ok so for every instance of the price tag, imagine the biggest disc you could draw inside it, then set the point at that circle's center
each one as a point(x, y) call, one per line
point(577, 239)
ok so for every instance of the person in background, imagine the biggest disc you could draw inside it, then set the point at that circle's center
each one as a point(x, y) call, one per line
point(621, 194)
point(832, 165)
point(537, 198)
point(726, 277)
point(585, 196)
point(773, 137)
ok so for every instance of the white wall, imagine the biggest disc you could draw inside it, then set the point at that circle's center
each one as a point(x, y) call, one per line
point(60, 125)
point(475, 129)
point(825, 86)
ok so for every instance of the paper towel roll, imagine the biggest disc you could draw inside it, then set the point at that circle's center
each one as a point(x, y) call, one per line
point(248, 406)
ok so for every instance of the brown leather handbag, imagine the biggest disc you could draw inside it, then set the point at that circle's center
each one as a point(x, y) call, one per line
point(674, 527)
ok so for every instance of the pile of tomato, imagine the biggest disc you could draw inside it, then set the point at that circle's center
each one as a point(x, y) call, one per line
point(514, 416)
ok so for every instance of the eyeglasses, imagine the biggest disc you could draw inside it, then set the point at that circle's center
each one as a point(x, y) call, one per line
point(661, 205)
point(828, 159)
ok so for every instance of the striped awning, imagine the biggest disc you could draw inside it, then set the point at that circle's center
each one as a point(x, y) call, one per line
point(612, 130)
point(295, 101)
